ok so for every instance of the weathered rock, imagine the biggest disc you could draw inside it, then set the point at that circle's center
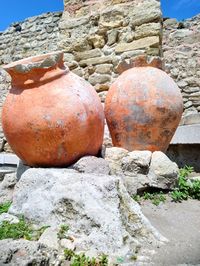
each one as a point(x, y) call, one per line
point(98, 78)
point(131, 54)
point(8, 218)
point(136, 162)
point(112, 36)
point(49, 238)
point(7, 187)
point(88, 54)
point(99, 211)
point(152, 41)
point(104, 69)
point(112, 17)
point(92, 164)
point(163, 173)
point(180, 33)
point(149, 12)
point(78, 71)
point(97, 60)
point(114, 156)
point(149, 29)
point(171, 23)
point(67, 243)
point(102, 87)
point(80, 45)
point(136, 183)
point(97, 41)
point(22, 253)
point(72, 23)
point(142, 169)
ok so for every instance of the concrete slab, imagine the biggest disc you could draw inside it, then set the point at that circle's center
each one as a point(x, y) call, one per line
point(8, 158)
point(190, 119)
point(187, 134)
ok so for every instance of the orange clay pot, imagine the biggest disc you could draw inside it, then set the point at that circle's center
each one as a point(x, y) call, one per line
point(143, 108)
point(51, 116)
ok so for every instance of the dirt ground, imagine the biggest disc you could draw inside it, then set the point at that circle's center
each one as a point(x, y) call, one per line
point(180, 223)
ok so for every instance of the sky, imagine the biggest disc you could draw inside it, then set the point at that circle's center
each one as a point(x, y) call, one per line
point(18, 10)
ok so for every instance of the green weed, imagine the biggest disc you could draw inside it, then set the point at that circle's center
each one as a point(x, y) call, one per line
point(5, 206)
point(156, 197)
point(186, 188)
point(83, 260)
point(63, 231)
point(22, 229)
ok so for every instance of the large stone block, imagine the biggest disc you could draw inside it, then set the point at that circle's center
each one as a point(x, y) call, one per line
point(97, 41)
point(148, 29)
point(152, 41)
point(98, 78)
point(145, 12)
point(104, 69)
point(112, 17)
point(99, 211)
point(88, 54)
point(97, 60)
point(73, 22)
point(163, 173)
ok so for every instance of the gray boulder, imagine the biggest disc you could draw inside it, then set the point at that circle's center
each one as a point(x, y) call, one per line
point(114, 157)
point(136, 162)
point(101, 215)
point(141, 170)
point(163, 173)
point(49, 238)
point(92, 164)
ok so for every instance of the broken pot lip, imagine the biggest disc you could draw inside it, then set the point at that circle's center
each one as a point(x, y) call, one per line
point(43, 61)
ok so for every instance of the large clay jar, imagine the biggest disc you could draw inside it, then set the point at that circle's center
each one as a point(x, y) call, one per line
point(51, 117)
point(143, 108)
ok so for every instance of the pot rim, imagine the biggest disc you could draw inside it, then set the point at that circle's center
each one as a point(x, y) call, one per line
point(43, 61)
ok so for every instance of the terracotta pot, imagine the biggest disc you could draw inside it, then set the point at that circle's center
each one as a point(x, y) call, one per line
point(143, 108)
point(51, 116)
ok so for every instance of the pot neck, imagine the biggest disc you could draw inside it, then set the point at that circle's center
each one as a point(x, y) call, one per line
point(28, 72)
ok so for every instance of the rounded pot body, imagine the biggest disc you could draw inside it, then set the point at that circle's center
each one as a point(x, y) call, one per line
point(51, 117)
point(143, 108)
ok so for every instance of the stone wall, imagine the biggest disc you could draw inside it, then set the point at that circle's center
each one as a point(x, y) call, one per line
point(181, 49)
point(35, 35)
point(101, 38)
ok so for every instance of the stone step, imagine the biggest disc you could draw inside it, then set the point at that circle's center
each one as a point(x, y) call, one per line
point(8, 158)
point(187, 134)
